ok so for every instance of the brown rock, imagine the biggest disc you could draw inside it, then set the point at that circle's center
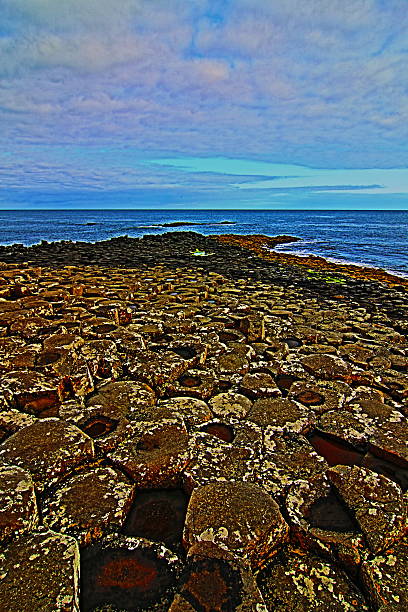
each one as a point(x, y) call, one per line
point(40, 571)
point(259, 385)
point(238, 517)
point(32, 392)
point(215, 579)
point(326, 367)
point(300, 581)
point(89, 504)
point(48, 449)
point(376, 502)
point(279, 415)
point(127, 573)
point(155, 454)
point(18, 504)
point(385, 579)
point(194, 412)
point(215, 457)
point(230, 405)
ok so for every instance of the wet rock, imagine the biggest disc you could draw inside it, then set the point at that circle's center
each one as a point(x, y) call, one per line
point(48, 449)
point(158, 515)
point(18, 504)
point(237, 517)
point(376, 502)
point(40, 571)
point(127, 573)
point(89, 504)
point(299, 581)
point(155, 454)
point(215, 579)
point(321, 522)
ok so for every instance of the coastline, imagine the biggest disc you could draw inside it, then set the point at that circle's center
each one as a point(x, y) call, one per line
point(259, 244)
point(201, 413)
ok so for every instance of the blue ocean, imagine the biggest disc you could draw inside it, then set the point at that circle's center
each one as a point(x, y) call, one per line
point(371, 238)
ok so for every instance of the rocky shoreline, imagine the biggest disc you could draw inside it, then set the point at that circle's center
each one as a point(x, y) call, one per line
point(198, 423)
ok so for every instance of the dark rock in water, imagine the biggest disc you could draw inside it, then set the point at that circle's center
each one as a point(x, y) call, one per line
point(128, 573)
point(158, 515)
point(215, 579)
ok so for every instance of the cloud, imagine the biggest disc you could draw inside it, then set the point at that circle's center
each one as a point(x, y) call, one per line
point(317, 83)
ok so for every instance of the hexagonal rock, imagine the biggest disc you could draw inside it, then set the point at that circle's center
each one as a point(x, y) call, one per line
point(18, 504)
point(122, 399)
point(321, 522)
point(327, 367)
point(155, 454)
point(12, 421)
point(285, 460)
point(232, 362)
point(40, 571)
point(32, 326)
point(213, 460)
point(385, 579)
point(102, 358)
point(156, 370)
point(193, 411)
point(48, 449)
point(214, 579)
point(126, 573)
point(377, 504)
point(301, 581)
point(230, 405)
point(62, 342)
point(253, 327)
point(259, 385)
point(371, 421)
point(31, 392)
point(279, 415)
point(89, 504)
point(238, 517)
point(318, 398)
point(194, 383)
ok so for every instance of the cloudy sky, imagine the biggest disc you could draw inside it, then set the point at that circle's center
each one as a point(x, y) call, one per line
point(270, 103)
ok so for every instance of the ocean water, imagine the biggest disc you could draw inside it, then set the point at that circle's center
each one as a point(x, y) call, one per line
point(371, 238)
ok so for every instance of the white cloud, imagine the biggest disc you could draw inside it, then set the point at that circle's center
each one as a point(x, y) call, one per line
point(317, 83)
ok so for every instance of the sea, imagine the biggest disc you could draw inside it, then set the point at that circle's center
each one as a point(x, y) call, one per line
point(376, 239)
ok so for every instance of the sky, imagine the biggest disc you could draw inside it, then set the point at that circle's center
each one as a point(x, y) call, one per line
point(204, 103)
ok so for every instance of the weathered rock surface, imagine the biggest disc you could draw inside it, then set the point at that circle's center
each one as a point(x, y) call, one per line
point(237, 517)
point(134, 375)
point(18, 504)
point(48, 449)
point(40, 571)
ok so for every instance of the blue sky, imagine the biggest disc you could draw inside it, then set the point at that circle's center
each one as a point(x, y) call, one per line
point(204, 103)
